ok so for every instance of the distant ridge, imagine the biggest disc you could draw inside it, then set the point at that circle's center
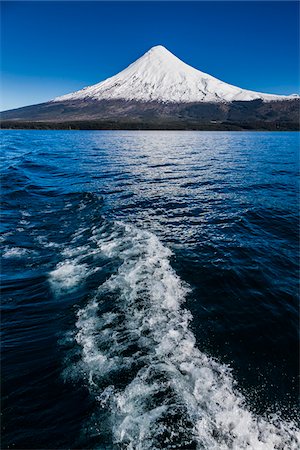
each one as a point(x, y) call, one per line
point(157, 89)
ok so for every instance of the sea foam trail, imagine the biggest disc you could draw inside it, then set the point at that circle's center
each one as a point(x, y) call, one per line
point(140, 359)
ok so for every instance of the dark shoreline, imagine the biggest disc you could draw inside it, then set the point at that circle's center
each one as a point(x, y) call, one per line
point(162, 125)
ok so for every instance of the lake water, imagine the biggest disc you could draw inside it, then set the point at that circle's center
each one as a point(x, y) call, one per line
point(149, 290)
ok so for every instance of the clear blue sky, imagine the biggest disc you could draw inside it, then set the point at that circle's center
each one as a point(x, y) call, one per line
point(52, 48)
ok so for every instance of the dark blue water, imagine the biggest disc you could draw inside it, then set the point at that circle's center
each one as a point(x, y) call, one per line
point(149, 290)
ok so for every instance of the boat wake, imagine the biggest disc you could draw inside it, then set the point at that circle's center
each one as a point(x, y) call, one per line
point(138, 355)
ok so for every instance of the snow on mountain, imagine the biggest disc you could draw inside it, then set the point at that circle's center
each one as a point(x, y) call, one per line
point(160, 76)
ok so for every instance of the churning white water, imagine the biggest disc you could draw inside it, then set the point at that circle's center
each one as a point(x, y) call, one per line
point(135, 328)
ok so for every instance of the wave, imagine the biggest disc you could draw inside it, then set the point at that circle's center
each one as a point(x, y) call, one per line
point(139, 357)
point(15, 252)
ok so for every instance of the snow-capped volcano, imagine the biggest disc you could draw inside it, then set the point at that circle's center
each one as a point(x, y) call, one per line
point(162, 77)
point(159, 91)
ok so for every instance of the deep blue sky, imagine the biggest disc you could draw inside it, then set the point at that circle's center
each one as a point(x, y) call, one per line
point(52, 48)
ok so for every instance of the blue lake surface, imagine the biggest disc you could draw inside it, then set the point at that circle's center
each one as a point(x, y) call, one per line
point(149, 290)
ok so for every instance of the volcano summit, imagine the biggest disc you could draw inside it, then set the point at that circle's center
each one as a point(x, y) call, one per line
point(160, 76)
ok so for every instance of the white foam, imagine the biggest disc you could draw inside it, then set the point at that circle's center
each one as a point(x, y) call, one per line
point(15, 252)
point(67, 275)
point(176, 392)
point(72, 271)
point(43, 241)
point(25, 214)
